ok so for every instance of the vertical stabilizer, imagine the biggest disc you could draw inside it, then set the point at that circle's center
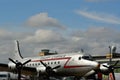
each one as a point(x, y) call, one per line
point(17, 54)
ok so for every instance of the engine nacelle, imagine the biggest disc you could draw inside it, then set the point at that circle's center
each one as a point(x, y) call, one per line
point(11, 65)
point(41, 70)
point(89, 73)
point(104, 69)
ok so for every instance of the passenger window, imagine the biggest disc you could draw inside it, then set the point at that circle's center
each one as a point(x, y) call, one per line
point(48, 63)
point(79, 58)
point(38, 63)
point(51, 62)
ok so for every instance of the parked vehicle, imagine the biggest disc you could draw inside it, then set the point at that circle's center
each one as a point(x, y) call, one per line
point(4, 76)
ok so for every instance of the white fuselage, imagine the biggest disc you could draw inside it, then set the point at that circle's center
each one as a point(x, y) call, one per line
point(70, 64)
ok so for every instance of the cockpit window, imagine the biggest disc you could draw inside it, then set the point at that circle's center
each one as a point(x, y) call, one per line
point(87, 57)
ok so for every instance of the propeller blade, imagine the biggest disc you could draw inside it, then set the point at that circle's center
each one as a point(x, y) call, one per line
point(26, 62)
point(19, 74)
point(116, 63)
point(56, 67)
point(106, 66)
point(12, 60)
point(43, 64)
point(110, 59)
point(116, 67)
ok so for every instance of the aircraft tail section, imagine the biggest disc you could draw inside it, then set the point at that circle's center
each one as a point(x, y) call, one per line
point(17, 54)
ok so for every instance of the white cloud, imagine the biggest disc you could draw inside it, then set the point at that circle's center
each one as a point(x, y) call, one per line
point(43, 20)
point(4, 33)
point(44, 36)
point(107, 18)
point(94, 40)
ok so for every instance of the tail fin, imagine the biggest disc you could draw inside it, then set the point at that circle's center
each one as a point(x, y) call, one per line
point(17, 54)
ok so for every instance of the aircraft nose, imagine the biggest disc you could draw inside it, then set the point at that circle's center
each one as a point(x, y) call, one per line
point(97, 65)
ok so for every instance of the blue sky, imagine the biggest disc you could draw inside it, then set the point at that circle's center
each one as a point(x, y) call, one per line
point(15, 13)
point(64, 26)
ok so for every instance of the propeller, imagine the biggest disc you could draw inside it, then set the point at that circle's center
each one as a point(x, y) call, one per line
point(49, 70)
point(111, 67)
point(19, 66)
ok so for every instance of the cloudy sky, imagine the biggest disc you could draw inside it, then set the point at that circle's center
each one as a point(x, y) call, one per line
point(60, 25)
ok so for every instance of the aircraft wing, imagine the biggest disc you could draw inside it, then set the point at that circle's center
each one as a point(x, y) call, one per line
point(4, 67)
point(105, 59)
point(29, 71)
point(25, 70)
